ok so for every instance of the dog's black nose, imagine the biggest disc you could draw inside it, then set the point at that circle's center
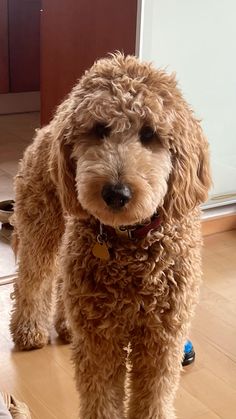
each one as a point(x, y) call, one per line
point(116, 196)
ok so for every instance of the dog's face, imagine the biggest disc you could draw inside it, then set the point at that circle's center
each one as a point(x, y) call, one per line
point(123, 164)
point(126, 128)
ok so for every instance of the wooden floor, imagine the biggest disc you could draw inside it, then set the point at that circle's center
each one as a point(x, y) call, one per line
point(44, 378)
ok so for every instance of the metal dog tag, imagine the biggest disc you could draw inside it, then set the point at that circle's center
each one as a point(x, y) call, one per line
point(100, 250)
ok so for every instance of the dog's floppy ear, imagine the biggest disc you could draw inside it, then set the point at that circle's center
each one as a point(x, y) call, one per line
point(62, 164)
point(190, 179)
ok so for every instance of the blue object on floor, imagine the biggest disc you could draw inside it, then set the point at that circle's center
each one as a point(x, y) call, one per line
point(189, 354)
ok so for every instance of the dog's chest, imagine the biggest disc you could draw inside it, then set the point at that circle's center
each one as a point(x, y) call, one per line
point(132, 282)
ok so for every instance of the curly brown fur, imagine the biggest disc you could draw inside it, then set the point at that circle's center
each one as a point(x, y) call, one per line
point(146, 292)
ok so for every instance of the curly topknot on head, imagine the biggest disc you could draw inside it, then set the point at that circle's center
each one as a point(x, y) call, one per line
point(127, 124)
point(121, 86)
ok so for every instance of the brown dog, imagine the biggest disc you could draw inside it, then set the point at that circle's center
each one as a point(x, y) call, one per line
point(118, 175)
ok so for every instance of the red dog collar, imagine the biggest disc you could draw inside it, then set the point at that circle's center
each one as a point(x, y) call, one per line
point(137, 232)
point(101, 250)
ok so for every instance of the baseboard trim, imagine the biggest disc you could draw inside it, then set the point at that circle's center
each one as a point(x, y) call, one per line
point(19, 102)
point(218, 224)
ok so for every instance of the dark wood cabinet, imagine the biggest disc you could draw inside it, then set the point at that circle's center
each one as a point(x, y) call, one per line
point(49, 50)
point(24, 44)
point(4, 60)
point(19, 45)
point(74, 33)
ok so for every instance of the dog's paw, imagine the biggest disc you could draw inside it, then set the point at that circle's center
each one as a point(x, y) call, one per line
point(27, 336)
point(63, 330)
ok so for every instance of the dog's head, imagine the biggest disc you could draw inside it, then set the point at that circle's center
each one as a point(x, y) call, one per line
point(127, 144)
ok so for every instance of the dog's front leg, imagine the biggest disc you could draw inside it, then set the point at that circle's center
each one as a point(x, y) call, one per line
point(156, 365)
point(100, 375)
point(31, 312)
point(60, 321)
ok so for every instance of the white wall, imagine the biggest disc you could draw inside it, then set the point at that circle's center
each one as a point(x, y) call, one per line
point(197, 39)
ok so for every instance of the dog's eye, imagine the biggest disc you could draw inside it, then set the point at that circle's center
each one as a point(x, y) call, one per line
point(146, 134)
point(101, 130)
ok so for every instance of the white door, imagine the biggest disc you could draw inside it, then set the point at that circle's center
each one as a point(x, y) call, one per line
point(197, 39)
